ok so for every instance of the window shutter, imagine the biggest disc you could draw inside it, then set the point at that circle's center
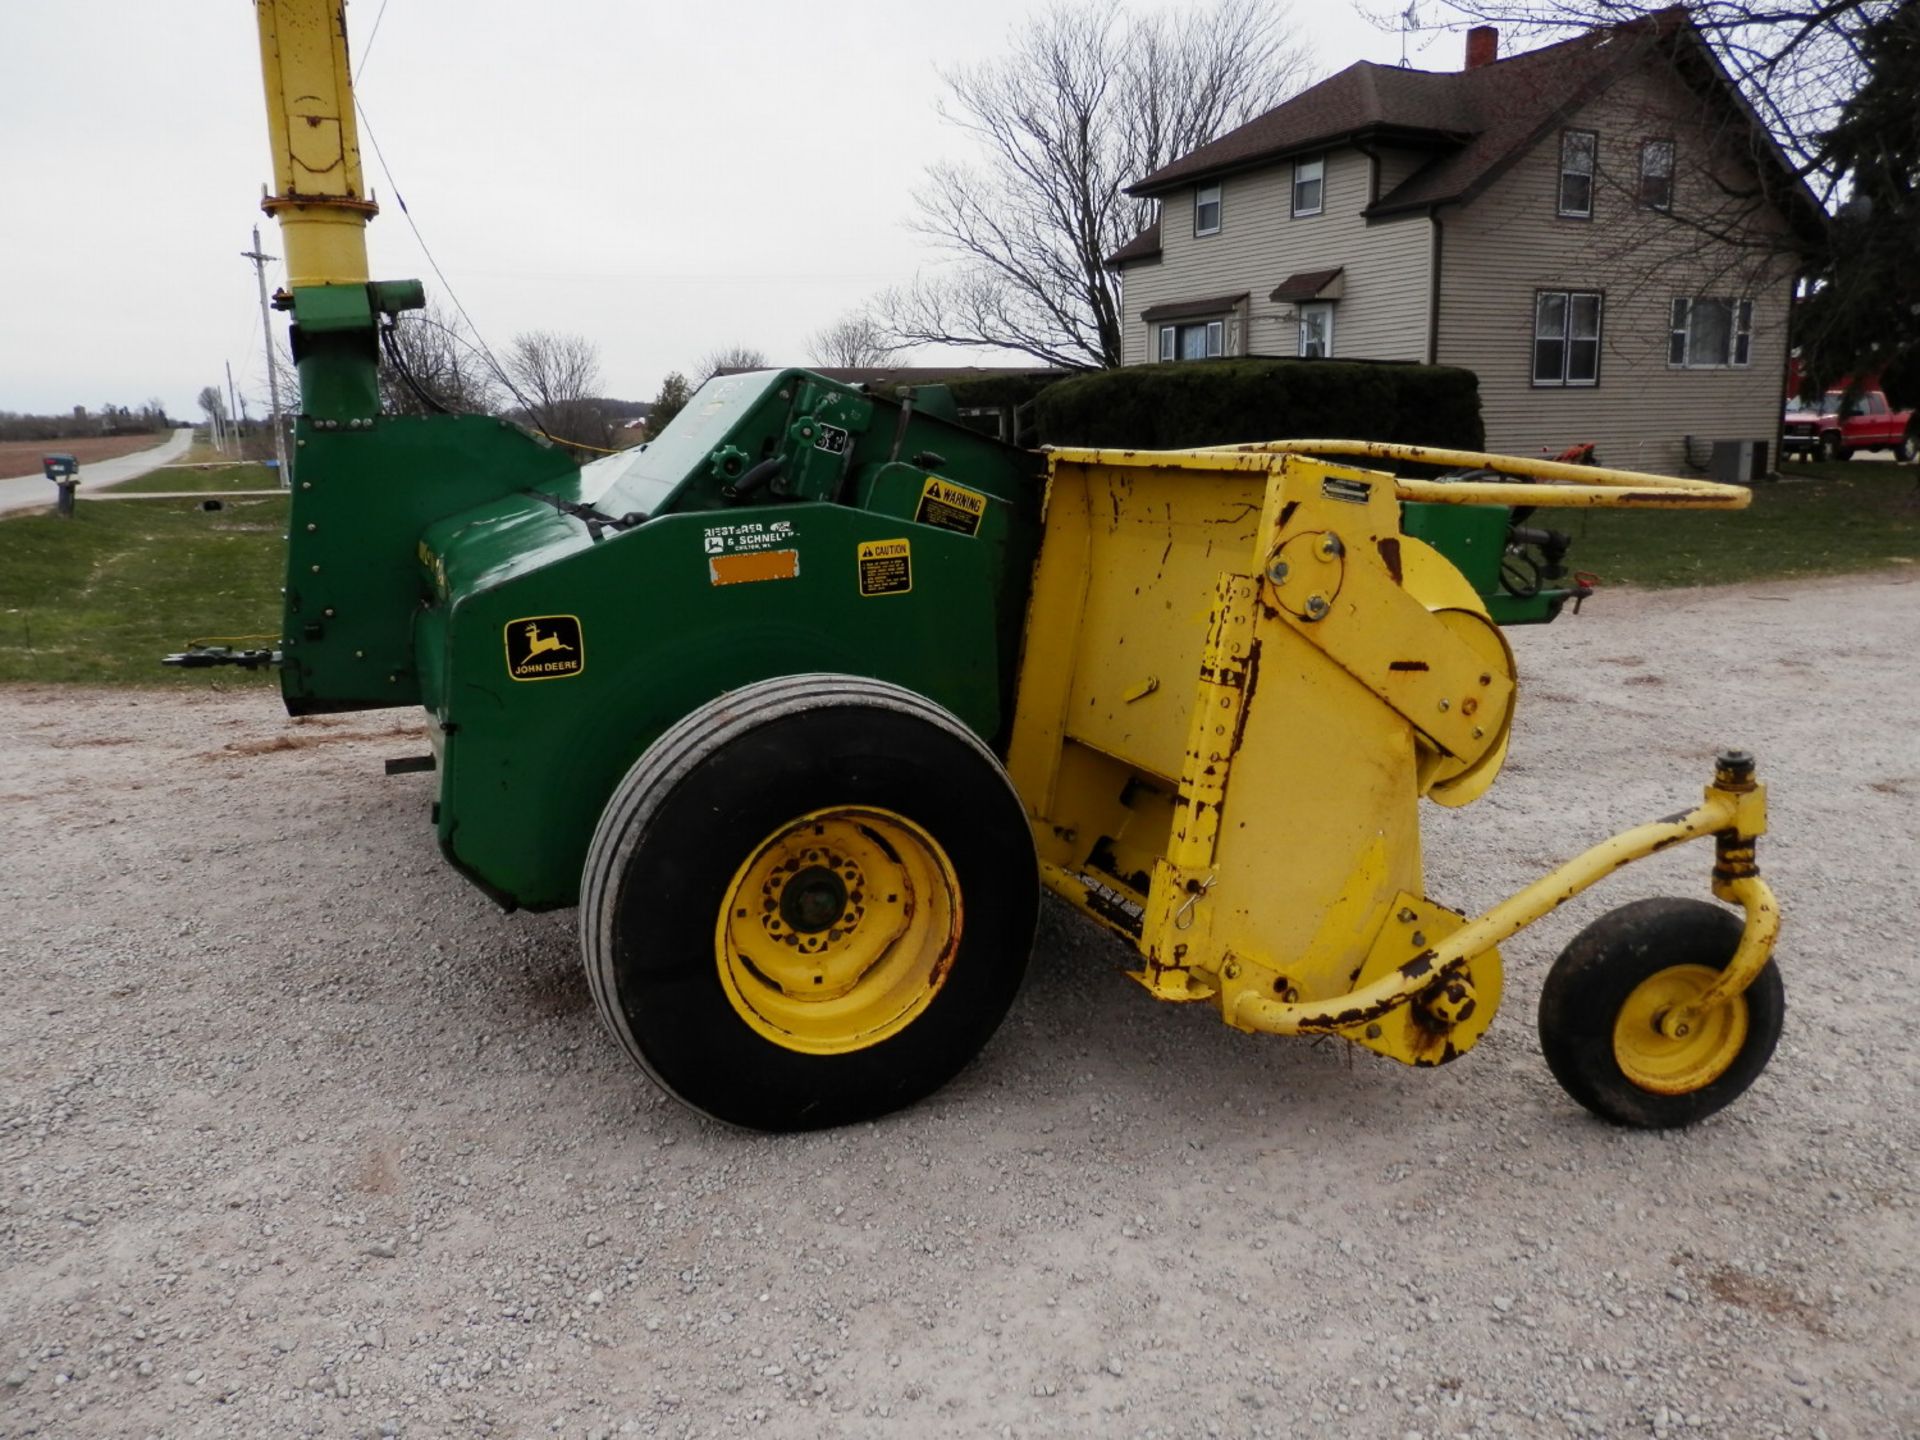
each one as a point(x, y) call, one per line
point(1677, 340)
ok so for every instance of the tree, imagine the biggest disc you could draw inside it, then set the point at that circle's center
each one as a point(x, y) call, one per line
point(1088, 100)
point(728, 357)
point(1864, 313)
point(855, 342)
point(430, 363)
point(556, 377)
point(213, 402)
point(672, 399)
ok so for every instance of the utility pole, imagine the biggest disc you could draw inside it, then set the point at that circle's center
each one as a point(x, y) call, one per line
point(233, 406)
point(273, 361)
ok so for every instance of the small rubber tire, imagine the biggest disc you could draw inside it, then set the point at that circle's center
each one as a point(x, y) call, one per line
point(1590, 982)
point(693, 809)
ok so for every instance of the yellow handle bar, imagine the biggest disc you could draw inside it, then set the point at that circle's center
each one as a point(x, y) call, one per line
point(1569, 485)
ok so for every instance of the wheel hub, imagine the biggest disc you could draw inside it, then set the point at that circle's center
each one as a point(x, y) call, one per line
point(1694, 1055)
point(838, 930)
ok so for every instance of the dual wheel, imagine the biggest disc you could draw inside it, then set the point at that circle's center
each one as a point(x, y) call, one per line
point(1602, 1003)
point(810, 902)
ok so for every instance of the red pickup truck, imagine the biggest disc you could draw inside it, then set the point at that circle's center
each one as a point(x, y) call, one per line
point(1833, 427)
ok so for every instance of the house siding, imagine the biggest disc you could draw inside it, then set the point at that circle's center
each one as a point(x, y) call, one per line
point(1382, 311)
point(1509, 243)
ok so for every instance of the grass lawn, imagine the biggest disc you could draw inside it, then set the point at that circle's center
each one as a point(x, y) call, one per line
point(101, 597)
point(247, 475)
point(1818, 519)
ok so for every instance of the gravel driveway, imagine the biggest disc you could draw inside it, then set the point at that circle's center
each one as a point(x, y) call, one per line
point(299, 1136)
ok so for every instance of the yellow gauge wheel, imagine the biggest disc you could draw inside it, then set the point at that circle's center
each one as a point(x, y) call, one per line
point(1677, 1064)
point(838, 930)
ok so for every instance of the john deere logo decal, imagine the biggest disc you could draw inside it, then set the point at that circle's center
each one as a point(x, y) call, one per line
point(545, 647)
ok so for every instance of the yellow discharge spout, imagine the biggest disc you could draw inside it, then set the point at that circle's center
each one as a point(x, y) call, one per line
point(318, 196)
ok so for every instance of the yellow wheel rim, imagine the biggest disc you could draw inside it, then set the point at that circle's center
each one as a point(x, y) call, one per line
point(838, 930)
point(1677, 1064)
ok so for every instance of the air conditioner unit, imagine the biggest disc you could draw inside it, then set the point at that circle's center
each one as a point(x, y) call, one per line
point(1737, 462)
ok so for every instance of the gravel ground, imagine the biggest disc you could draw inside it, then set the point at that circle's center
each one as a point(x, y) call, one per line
point(300, 1137)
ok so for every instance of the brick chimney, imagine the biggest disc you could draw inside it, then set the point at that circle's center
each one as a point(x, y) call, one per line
point(1483, 46)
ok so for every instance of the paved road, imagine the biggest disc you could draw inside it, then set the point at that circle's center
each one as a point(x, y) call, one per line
point(32, 492)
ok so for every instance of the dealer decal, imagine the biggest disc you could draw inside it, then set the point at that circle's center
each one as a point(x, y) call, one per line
point(886, 567)
point(746, 566)
point(947, 506)
point(545, 647)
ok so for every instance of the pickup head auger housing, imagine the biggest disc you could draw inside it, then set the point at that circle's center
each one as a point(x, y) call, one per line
point(802, 702)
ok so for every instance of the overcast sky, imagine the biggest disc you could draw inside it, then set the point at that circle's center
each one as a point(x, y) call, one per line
point(662, 178)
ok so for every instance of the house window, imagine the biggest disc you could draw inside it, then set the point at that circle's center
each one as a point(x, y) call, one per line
point(1656, 175)
point(1566, 337)
point(1710, 333)
point(1206, 210)
point(1577, 151)
point(1309, 185)
point(1316, 331)
point(1201, 340)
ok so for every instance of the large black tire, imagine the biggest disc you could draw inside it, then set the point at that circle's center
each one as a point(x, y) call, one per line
point(1908, 450)
point(1831, 447)
point(691, 813)
point(1592, 980)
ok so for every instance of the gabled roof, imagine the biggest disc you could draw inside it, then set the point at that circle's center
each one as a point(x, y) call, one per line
point(1144, 246)
point(1309, 285)
point(1362, 99)
point(1477, 122)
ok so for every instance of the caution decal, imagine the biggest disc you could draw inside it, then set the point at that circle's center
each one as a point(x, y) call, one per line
point(947, 506)
point(545, 647)
point(886, 567)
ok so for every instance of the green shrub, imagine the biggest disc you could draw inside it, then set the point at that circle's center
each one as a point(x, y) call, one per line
point(1227, 402)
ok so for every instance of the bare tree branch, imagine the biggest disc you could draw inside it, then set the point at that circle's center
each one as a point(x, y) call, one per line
point(557, 377)
point(728, 357)
point(1090, 99)
point(853, 342)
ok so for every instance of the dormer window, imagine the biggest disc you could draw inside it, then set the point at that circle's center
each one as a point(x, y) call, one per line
point(1206, 210)
point(1578, 151)
point(1309, 185)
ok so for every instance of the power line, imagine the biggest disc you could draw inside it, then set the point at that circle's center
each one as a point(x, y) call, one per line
point(372, 35)
point(425, 250)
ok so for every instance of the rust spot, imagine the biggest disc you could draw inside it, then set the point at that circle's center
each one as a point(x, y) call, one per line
point(1286, 512)
point(1407, 665)
point(1389, 547)
point(1419, 965)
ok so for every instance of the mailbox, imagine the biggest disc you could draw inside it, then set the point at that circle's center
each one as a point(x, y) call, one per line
point(59, 466)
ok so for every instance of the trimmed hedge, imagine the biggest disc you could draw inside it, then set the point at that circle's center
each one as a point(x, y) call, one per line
point(992, 391)
point(1228, 402)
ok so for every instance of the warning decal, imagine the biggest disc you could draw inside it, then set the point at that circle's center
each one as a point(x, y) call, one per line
point(947, 506)
point(886, 567)
point(545, 647)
